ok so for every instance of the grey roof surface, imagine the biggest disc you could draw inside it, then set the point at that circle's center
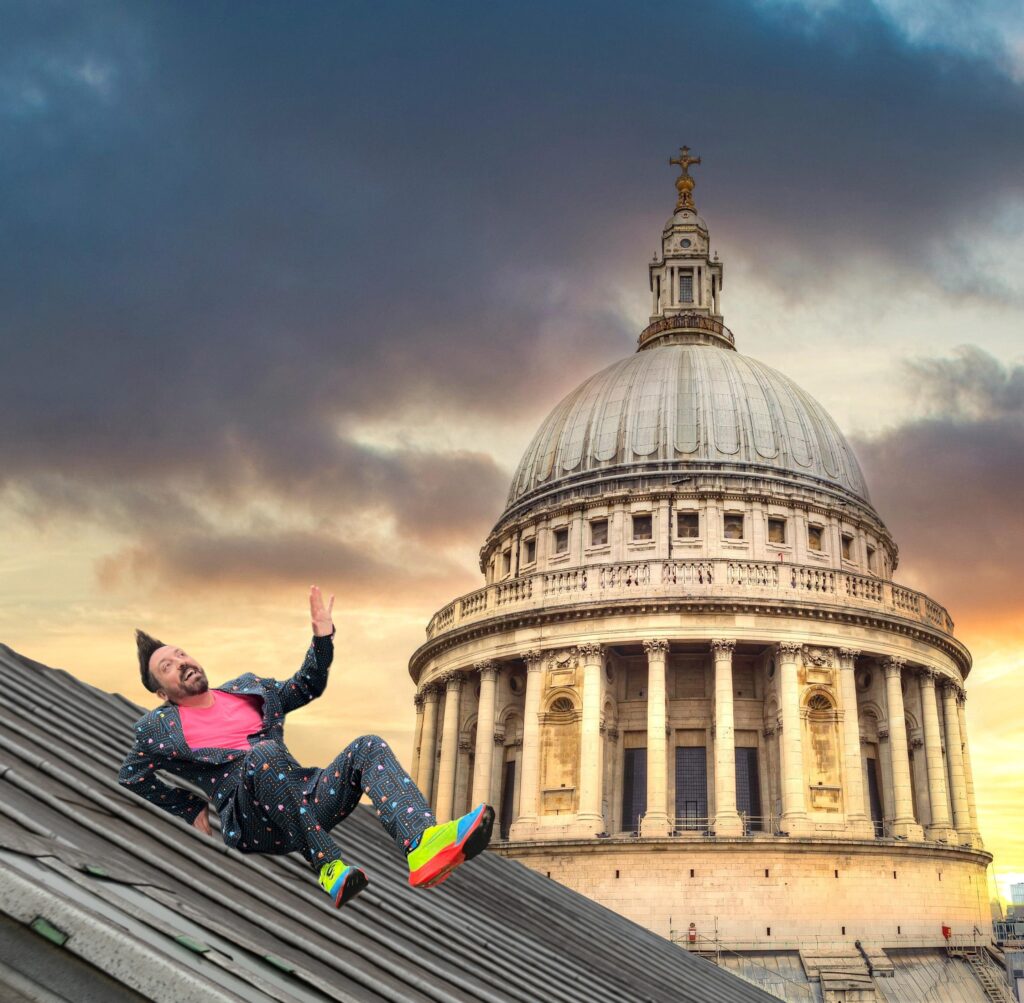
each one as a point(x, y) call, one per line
point(131, 903)
point(681, 407)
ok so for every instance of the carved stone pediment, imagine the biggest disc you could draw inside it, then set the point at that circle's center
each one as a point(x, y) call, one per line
point(562, 668)
point(819, 664)
point(819, 657)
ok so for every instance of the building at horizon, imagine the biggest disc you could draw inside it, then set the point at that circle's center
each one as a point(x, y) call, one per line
point(690, 684)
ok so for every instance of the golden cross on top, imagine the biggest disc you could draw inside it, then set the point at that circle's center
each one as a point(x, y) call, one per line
point(684, 159)
point(685, 183)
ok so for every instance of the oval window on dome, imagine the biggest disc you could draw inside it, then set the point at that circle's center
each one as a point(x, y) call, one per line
point(684, 243)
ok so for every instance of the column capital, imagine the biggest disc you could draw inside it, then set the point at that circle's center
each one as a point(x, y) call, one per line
point(721, 647)
point(431, 691)
point(418, 701)
point(927, 675)
point(656, 648)
point(788, 650)
point(951, 686)
point(590, 651)
point(893, 665)
point(847, 656)
point(916, 743)
point(465, 745)
point(769, 732)
point(488, 668)
point(452, 680)
point(534, 659)
point(499, 738)
point(883, 734)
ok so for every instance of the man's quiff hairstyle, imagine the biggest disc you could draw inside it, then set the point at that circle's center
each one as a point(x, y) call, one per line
point(146, 645)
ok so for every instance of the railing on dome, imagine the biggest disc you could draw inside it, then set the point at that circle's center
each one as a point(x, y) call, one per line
point(713, 578)
point(685, 322)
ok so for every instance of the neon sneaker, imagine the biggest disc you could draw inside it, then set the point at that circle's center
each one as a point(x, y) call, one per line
point(443, 847)
point(342, 882)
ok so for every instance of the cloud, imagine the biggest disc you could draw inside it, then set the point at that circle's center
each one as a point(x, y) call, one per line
point(949, 483)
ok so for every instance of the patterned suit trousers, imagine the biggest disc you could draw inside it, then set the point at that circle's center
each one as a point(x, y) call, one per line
point(284, 808)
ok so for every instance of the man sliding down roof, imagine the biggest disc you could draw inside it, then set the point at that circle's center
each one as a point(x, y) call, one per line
point(229, 741)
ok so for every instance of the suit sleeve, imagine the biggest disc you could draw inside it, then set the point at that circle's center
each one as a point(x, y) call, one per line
point(138, 774)
point(311, 679)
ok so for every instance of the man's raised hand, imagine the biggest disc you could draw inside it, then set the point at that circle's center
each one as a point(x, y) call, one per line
point(323, 624)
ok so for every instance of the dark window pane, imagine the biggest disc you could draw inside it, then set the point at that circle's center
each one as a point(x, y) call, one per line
point(814, 537)
point(561, 541)
point(531, 551)
point(634, 788)
point(875, 798)
point(691, 787)
point(598, 532)
point(734, 527)
point(685, 288)
point(508, 789)
point(776, 530)
point(641, 527)
point(748, 789)
point(689, 524)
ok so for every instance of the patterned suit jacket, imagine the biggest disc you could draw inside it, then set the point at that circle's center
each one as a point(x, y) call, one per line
point(160, 744)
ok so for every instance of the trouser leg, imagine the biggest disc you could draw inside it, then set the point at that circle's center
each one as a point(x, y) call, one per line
point(278, 813)
point(367, 765)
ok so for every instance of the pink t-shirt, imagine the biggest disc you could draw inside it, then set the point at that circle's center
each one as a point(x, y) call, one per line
point(225, 725)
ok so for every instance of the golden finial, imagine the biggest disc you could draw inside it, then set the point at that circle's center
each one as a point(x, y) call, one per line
point(684, 183)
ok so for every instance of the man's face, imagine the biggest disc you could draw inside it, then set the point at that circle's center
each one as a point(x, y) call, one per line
point(176, 674)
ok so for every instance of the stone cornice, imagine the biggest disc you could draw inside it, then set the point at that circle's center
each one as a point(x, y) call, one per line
point(584, 611)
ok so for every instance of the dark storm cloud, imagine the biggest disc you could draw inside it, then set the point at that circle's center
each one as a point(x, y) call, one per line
point(949, 485)
point(184, 563)
point(227, 233)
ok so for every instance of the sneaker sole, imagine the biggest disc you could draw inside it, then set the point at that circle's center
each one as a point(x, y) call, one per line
point(352, 886)
point(473, 843)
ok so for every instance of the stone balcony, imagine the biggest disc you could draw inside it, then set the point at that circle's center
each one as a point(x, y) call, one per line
point(698, 579)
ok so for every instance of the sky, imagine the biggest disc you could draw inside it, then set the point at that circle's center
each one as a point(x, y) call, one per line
point(287, 290)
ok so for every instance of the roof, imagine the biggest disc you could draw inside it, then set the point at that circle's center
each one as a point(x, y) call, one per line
point(105, 897)
point(676, 409)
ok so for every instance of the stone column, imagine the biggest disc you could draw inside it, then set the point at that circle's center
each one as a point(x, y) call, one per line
point(857, 821)
point(885, 766)
point(525, 824)
point(939, 828)
point(484, 758)
point(727, 818)
point(655, 820)
point(449, 747)
point(903, 823)
point(417, 736)
point(589, 819)
point(428, 750)
point(976, 839)
point(794, 786)
point(955, 761)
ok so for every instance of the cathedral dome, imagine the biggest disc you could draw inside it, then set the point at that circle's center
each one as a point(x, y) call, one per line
point(682, 408)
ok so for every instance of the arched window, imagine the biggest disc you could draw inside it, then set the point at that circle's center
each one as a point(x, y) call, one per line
point(819, 702)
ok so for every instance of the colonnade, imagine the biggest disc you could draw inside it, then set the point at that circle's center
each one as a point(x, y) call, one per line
point(953, 820)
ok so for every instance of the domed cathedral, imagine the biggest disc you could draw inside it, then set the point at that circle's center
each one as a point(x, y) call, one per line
point(690, 684)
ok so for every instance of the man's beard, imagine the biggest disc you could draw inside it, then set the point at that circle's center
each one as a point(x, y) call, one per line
point(197, 682)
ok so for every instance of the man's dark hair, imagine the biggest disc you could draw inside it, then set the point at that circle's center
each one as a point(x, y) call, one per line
point(146, 645)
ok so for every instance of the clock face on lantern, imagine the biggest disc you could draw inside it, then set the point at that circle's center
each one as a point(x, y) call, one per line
point(684, 243)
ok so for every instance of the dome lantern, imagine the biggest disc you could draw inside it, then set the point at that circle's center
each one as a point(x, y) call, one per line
point(685, 281)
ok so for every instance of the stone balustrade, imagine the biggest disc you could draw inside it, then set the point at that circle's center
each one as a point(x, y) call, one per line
point(716, 578)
